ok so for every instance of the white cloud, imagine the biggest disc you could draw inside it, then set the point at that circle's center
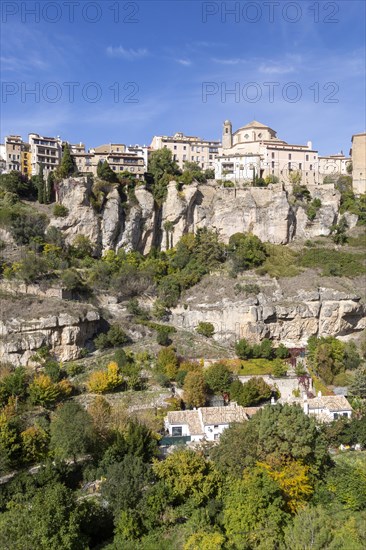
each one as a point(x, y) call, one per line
point(127, 53)
point(228, 61)
point(184, 62)
point(274, 68)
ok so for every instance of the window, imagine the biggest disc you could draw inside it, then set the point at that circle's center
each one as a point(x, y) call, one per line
point(289, 156)
point(300, 165)
point(273, 155)
point(306, 157)
point(273, 163)
point(216, 436)
point(345, 414)
point(216, 426)
point(175, 147)
point(289, 165)
point(177, 431)
point(335, 416)
point(184, 147)
point(311, 167)
point(246, 136)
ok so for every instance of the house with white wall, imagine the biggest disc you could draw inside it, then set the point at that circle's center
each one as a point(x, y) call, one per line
point(205, 422)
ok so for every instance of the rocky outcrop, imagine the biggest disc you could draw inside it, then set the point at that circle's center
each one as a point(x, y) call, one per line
point(274, 314)
point(63, 329)
point(266, 212)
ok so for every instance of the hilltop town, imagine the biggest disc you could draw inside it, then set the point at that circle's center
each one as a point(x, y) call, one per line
point(252, 152)
point(182, 323)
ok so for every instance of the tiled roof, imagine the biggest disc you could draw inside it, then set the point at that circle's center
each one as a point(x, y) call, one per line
point(190, 418)
point(333, 403)
point(223, 415)
point(206, 416)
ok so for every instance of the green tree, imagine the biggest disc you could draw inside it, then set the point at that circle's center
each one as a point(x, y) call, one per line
point(246, 251)
point(50, 188)
point(358, 385)
point(206, 329)
point(72, 431)
point(15, 182)
point(105, 172)
point(194, 389)
point(163, 168)
point(243, 349)
point(41, 185)
point(125, 483)
point(311, 528)
point(53, 524)
point(67, 167)
point(275, 434)
point(282, 352)
point(254, 511)
point(188, 475)
point(218, 378)
point(339, 231)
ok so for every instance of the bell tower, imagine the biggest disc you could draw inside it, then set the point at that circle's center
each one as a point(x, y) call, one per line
point(227, 135)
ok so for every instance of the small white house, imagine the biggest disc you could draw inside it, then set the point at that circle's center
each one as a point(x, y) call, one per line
point(328, 407)
point(205, 422)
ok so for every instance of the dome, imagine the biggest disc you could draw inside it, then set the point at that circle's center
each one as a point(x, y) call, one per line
point(227, 122)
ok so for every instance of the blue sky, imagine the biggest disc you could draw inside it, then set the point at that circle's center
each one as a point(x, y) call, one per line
point(156, 67)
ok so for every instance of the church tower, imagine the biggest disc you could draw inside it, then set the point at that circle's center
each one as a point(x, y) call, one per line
point(227, 135)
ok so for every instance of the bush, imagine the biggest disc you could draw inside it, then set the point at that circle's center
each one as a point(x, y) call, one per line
point(282, 352)
point(163, 335)
point(205, 329)
point(114, 338)
point(243, 349)
point(105, 380)
point(218, 378)
point(60, 211)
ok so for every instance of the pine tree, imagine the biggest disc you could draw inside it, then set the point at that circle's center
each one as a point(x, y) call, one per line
point(105, 172)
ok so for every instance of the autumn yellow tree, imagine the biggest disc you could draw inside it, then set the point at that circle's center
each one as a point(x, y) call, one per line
point(105, 380)
point(194, 389)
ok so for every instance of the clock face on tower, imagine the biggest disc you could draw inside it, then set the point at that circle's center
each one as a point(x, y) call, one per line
point(246, 136)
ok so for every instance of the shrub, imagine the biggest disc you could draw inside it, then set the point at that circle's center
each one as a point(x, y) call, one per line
point(243, 349)
point(205, 329)
point(60, 211)
point(43, 391)
point(282, 352)
point(115, 337)
point(163, 335)
point(105, 380)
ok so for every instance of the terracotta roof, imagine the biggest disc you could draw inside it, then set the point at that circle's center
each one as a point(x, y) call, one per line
point(223, 415)
point(206, 416)
point(333, 403)
point(190, 418)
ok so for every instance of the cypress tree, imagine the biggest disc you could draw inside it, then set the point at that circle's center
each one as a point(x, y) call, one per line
point(67, 166)
point(41, 185)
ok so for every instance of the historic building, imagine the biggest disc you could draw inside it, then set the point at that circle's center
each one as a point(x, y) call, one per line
point(119, 157)
point(189, 149)
point(46, 151)
point(255, 151)
point(358, 154)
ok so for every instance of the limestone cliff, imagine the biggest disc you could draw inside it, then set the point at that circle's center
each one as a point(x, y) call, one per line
point(139, 225)
point(285, 311)
point(28, 323)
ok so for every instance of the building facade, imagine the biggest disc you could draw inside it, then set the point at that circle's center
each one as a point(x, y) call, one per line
point(13, 153)
point(119, 157)
point(46, 151)
point(358, 155)
point(334, 166)
point(255, 151)
point(189, 149)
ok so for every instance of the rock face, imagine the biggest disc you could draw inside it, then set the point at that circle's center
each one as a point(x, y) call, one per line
point(266, 212)
point(274, 314)
point(64, 330)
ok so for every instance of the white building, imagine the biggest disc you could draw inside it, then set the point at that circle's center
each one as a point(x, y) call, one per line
point(46, 151)
point(325, 408)
point(189, 149)
point(254, 150)
point(205, 422)
point(333, 165)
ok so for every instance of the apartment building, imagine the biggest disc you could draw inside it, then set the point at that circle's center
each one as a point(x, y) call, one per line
point(189, 148)
point(26, 160)
point(255, 150)
point(46, 151)
point(358, 155)
point(119, 157)
point(13, 152)
point(333, 165)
